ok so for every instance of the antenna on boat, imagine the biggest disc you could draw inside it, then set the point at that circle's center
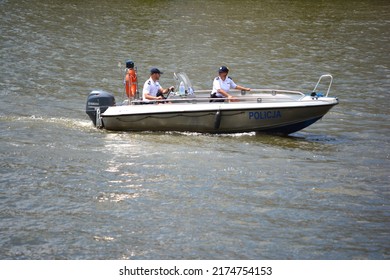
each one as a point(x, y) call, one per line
point(137, 91)
point(123, 77)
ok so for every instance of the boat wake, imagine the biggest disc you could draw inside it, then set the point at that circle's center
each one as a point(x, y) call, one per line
point(41, 120)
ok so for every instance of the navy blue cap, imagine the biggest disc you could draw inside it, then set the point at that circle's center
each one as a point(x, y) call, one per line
point(129, 64)
point(155, 70)
point(223, 69)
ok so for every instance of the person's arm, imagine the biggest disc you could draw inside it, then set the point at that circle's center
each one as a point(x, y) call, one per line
point(242, 88)
point(224, 93)
point(166, 90)
point(217, 88)
point(227, 95)
point(151, 97)
point(146, 93)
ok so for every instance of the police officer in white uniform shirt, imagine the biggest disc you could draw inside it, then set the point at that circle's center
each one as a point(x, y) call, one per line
point(221, 86)
point(152, 89)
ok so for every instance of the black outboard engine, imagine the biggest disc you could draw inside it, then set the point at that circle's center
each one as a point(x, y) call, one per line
point(98, 99)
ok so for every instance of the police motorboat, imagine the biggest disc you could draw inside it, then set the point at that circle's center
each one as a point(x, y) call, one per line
point(260, 110)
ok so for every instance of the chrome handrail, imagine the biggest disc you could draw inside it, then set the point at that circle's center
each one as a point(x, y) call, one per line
point(255, 90)
point(330, 83)
point(188, 99)
point(194, 99)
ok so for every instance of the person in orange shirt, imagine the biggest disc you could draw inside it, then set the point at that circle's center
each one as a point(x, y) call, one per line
point(130, 79)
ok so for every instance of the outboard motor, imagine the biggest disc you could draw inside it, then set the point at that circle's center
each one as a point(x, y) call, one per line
point(98, 99)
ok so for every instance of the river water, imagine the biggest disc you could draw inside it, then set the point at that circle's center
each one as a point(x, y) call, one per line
point(70, 191)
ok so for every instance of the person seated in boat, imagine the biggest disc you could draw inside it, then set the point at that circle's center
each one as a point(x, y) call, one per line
point(221, 86)
point(152, 89)
point(130, 79)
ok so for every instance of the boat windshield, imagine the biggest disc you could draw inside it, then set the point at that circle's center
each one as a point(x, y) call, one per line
point(182, 80)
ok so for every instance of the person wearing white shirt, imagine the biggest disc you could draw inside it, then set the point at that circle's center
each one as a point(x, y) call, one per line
point(152, 89)
point(221, 86)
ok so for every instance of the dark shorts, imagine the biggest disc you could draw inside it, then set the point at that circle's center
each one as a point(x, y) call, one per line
point(216, 98)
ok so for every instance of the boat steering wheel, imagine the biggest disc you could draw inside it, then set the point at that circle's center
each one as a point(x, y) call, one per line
point(169, 92)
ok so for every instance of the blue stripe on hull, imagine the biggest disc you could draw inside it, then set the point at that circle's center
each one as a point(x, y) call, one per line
point(288, 129)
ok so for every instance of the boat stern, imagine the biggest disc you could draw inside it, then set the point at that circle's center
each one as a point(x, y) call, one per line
point(98, 100)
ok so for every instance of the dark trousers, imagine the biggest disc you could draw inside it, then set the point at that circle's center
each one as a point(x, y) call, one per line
point(216, 98)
